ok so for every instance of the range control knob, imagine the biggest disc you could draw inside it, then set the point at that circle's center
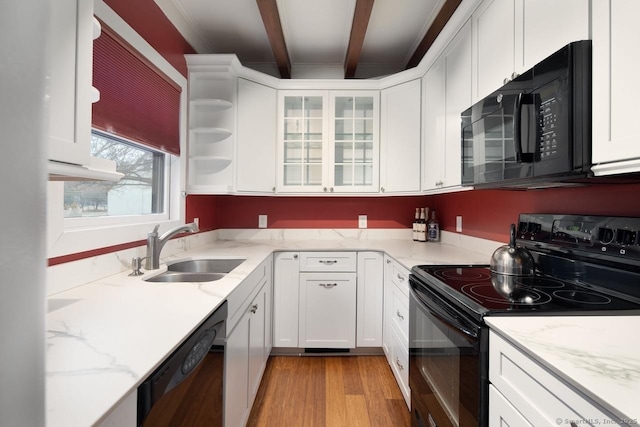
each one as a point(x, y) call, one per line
point(625, 237)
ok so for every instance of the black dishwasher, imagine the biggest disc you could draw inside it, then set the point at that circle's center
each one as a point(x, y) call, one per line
point(186, 390)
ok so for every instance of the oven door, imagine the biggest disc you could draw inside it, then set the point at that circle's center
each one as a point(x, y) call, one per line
point(447, 363)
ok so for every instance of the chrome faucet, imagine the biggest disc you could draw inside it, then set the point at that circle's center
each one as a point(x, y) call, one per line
point(155, 243)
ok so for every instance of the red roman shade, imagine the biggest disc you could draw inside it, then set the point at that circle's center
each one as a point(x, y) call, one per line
point(137, 101)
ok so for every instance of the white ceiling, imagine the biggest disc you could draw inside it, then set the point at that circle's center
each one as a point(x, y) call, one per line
point(316, 33)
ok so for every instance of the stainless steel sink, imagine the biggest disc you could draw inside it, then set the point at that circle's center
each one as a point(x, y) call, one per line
point(205, 265)
point(176, 276)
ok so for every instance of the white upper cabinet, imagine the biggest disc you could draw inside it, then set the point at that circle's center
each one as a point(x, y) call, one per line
point(72, 29)
point(70, 70)
point(510, 36)
point(302, 140)
point(446, 93)
point(354, 142)
point(256, 142)
point(400, 111)
point(616, 61)
point(493, 50)
point(544, 26)
point(328, 141)
point(212, 124)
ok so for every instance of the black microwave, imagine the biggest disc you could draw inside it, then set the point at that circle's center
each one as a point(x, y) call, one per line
point(535, 131)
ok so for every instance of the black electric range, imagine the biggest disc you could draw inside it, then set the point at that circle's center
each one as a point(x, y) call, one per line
point(585, 265)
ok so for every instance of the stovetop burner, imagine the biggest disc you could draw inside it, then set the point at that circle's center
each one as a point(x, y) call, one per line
point(463, 274)
point(472, 287)
point(582, 297)
point(487, 293)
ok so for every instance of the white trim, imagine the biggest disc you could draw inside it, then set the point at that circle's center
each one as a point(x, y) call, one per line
point(185, 25)
point(62, 240)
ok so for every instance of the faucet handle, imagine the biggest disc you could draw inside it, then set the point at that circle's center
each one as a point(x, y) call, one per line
point(155, 230)
point(136, 265)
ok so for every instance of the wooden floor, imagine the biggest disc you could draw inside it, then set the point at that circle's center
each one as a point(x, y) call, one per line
point(330, 391)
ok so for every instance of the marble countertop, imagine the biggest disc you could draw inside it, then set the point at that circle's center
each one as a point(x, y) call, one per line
point(598, 355)
point(105, 337)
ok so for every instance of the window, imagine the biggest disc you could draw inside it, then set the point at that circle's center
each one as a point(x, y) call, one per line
point(139, 192)
point(139, 122)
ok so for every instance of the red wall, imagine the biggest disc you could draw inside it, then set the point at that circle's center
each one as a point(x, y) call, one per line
point(303, 212)
point(485, 213)
point(488, 213)
point(146, 17)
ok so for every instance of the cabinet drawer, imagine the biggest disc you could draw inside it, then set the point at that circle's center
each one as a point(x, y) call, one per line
point(400, 315)
point(239, 298)
point(328, 261)
point(399, 362)
point(536, 393)
point(502, 413)
point(399, 276)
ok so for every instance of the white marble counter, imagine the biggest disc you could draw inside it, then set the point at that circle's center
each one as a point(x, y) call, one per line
point(105, 337)
point(598, 355)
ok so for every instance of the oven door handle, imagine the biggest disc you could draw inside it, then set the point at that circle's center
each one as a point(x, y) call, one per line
point(446, 313)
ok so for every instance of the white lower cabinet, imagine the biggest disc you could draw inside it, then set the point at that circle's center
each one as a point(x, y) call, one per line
point(328, 299)
point(370, 299)
point(502, 413)
point(395, 341)
point(286, 285)
point(247, 347)
point(525, 390)
point(327, 310)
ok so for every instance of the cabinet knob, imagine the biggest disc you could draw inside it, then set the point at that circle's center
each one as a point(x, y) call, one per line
point(400, 277)
point(254, 308)
point(324, 189)
point(388, 261)
point(399, 315)
point(505, 81)
point(514, 75)
point(295, 256)
point(331, 190)
point(273, 189)
point(382, 189)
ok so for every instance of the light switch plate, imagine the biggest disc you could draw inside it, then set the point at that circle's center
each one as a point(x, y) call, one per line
point(362, 221)
point(262, 221)
point(459, 224)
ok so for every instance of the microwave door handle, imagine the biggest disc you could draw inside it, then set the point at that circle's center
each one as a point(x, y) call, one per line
point(521, 157)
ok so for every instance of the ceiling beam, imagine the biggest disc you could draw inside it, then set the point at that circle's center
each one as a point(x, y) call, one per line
point(271, 20)
point(361, 16)
point(438, 24)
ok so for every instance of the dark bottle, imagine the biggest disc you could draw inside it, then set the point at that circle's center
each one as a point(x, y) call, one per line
point(433, 228)
point(416, 222)
point(422, 227)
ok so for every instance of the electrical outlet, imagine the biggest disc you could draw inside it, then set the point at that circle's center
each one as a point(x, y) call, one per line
point(262, 221)
point(362, 221)
point(459, 224)
point(197, 221)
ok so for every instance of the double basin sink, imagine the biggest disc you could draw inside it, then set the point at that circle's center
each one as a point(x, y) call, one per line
point(197, 270)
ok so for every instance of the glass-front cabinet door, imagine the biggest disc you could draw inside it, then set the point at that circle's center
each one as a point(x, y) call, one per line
point(328, 141)
point(354, 142)
point(302, 136)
